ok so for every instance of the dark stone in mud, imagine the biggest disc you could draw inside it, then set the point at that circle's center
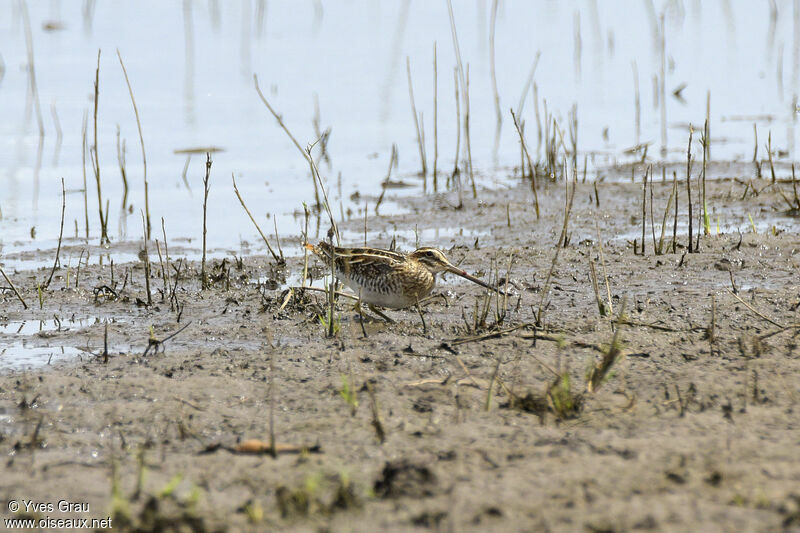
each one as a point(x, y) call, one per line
point(429, 519)
point(405, 478)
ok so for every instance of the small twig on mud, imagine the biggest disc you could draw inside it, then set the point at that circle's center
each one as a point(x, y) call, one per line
point(376, 417)
point(755, 311)
point(13, 288)
point(485, 336)
point(600, 370)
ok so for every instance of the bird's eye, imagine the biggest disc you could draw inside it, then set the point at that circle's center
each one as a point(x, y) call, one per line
point(429, 253)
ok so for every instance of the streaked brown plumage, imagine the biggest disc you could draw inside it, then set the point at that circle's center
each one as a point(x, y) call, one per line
point(386, 278)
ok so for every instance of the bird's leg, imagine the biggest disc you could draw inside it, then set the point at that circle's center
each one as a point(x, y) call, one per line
point(361, 314)
point(377, 312)
point(422, 317)
point(434, 297)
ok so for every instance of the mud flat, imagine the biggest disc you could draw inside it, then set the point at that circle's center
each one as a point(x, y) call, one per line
point(482, 422)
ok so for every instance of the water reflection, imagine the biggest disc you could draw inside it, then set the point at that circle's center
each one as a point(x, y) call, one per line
point(638, 73)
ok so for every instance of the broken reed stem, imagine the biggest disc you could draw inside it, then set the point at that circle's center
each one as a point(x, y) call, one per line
point(756, 162)
point(675, 220)
point(458, 132)
point(380, 432)
point(644, 210)
point(141, 141)
point(467, 136)
point(307, 215)
point(769, 154)
point(706, 220)
point(166, 252)
point(384, 184)
point(253, 220)
point(206, 187)
point(13, 288)
point(315, 175)
point(465, 90)
point(60, 235)
point(499, 114)
point(122, 171)
point(278, 239)
point(420, 142)
point(530, 163)
point(435, 118)
point(291, 137)
point(103, 229)
point(660, 249)
point(600, 370)
point(163, 270)
point(603, 264)
point(83, 161)
point(563, 238)
point(794, 188)
point(315, 171)
point(755, 311)
point(332, 291)
point(147, 261)
point(689, 183)
point(652, 223)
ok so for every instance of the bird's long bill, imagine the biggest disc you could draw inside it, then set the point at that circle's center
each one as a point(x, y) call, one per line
point(473, 279)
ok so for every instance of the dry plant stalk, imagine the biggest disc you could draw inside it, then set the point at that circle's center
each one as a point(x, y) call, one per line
point(660, 247)
point(147, 262)
point(613, 355)
point(306, 215)
point(291, 137)
point(420, 141)
point(497, 111)
point(60, 235)
point(13, 288)
point(384, 185)
point(455, 173)
point(96, 158)
point(435, 118)
point(530, 163)
point(206, 187)
point(465, 93)
point(141, 141)
point(603, 265)
point(562, 239)
point(84, 147)
point(644, 210)
point(689, 183)
point(315, 175)
point(380, 432)
point(275, 256)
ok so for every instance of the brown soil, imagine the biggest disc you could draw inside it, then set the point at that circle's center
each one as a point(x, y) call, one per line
point(694, 428)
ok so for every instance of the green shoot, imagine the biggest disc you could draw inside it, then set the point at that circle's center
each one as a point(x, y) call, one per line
point(349, 394)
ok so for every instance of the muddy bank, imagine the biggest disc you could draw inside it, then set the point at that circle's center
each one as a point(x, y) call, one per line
point(480, 422)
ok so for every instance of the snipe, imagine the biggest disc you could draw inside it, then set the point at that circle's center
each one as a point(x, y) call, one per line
point(386, 278)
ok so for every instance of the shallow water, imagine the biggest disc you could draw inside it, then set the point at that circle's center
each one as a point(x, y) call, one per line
point(191, 66)
point(21, 356)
